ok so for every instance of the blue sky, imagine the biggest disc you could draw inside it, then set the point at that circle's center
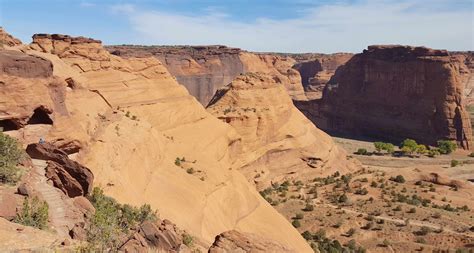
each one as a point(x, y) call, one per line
point(258, 25)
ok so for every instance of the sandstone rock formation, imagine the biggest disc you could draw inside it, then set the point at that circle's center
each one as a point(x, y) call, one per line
point(278, 141)
point(128, 120)
point(235, 242)
point(204, 69)
point(398, 92)
point(69, 176)
point(317, 70)
point(7, 40)
point(164, 237)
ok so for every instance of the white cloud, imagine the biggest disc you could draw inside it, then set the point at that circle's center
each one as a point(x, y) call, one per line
point(328, 28)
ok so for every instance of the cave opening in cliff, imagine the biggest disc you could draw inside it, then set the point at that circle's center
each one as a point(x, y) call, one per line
point(9, 125)
point(40, 116)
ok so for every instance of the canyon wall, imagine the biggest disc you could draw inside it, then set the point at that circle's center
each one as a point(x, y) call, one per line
point(316, 70)
point(143, 136)
point(398, 92)
point(204, 69)
point(279, 142)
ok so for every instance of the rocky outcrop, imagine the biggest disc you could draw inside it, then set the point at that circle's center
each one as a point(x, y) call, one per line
point(15, 63)
point(235, 242)
point(69, 176)
point(205, 69)
point(317, 70)
point(398, 92)
point(128, 120)
point(163, 236)
point(8, 40)
point(278, 141)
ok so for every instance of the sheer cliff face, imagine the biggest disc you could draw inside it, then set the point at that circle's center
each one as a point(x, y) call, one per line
point(279, 143)
point(205, 69)
point(399, 92)
point(316, 70)
point(130, 120)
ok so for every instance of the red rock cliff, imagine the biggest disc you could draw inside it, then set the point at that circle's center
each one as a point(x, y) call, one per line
point(398, 92)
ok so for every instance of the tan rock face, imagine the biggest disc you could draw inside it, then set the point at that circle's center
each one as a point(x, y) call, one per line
point(278, 141)
point(235, 242)
point(8, 40)
point(316, 70)
point(129, 120)
point(398, 92)
point(205, 69)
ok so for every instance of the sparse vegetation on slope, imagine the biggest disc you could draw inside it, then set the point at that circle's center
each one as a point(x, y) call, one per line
point(112, 221)
point(10, 156)
point(34, 213)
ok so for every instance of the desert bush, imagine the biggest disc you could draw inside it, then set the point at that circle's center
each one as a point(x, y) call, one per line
point(398, 179)
point(386, 243)
point(361, 191)
point(111, 221)
point(361, 151)
point(34, 213)
point(351, 232)
point(423, 231)
point(471, 154)
point(296, 223)
point(408, 146)
point(446, 146)
point(343, 198)
point(388, 147)
point(412, 210)
point(188, 240)
point(454, 163)
point(433, 152)
point(308, 208)
point(10, 155)
point(299, 216)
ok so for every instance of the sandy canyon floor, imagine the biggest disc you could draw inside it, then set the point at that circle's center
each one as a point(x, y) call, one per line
point(433, 209)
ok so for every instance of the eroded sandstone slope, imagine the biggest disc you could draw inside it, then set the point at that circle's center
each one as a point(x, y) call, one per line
point(130, 122)
point(204, 69)
point(278, 141)
point(398, 92)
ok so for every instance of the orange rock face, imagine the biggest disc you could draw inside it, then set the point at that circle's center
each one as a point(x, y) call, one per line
point(205, 69)
point(316, 70)
point(8, 40)
point(398, 92)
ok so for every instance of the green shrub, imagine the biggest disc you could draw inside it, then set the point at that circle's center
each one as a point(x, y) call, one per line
point(398, 179)
point(299, 216)
point(361, 191)
point(454, 163)
point(343, 198)
point(188, 240)
point(409, 146)
point(471, 154)
point(308, 208)
point(10, 155)
point(446, 146)
point(361, 151)
point(34, 213)
point(296, 223)
point(111, 221)
point(388, 147)
point(433, 152)
point(307, 235)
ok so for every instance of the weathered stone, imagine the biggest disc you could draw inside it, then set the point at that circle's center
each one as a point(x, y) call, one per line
point(398, 92)
point(236, 242)
point(65, 173)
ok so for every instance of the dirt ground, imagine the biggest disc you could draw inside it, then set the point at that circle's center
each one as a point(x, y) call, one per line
point(432, 208)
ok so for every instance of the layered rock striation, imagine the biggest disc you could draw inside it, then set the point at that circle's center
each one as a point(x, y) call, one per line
point(398, 92)
point(279, 143)
point(205, 69)
point(128, 121)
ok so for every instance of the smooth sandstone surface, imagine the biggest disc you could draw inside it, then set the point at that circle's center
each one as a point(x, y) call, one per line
point(131, 120)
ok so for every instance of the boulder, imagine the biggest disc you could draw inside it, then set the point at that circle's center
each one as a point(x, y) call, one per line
point(237, 242)
point(164, 236)
point(8, 205)
point(68, 175)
